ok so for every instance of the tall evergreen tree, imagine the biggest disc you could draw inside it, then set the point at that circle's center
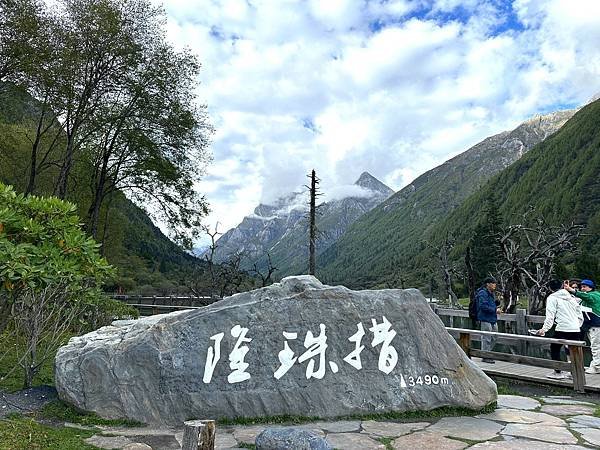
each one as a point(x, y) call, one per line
point(484, 243)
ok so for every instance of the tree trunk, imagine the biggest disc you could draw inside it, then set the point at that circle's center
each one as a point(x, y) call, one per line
point(471, 282)
point(94, 210)
point(34, 151)
point(60, 189)
point(313, 227)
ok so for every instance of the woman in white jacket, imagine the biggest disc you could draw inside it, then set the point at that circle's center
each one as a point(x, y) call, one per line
point(564, 310)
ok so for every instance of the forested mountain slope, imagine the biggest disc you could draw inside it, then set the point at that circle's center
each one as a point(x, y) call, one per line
point(145, 258)
point(560, 178)
point(382, 247)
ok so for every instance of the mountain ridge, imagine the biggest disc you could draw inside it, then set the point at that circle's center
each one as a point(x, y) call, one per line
point(388, 238)
point(280, 230)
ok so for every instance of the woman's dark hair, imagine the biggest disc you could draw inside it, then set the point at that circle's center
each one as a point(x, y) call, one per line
point(555, 285)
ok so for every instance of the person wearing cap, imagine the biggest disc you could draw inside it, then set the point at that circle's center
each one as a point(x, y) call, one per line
point(563, 310)
point(487, 314)
point(590, 297)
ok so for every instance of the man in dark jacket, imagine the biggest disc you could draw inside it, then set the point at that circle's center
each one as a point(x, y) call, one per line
point(487, 314)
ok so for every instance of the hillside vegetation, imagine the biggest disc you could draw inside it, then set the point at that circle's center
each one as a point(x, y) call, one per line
point(147, 261)
point(559, 178)
point(392, 245)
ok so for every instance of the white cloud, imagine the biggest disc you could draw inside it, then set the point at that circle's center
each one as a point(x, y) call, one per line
point(345, 191)
point(391, 87)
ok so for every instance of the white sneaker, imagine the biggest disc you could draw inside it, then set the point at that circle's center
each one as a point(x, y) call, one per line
point(556, 376)
point(591, 370)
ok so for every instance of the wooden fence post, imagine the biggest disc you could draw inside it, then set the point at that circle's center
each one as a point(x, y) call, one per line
point(464, 340)
point(577, 368)
point(521, 326)
point(198, 435)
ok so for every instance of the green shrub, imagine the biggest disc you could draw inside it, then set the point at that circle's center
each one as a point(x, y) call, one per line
point(51, 275)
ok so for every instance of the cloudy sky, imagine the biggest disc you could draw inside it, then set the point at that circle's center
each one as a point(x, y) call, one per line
point(392, 87)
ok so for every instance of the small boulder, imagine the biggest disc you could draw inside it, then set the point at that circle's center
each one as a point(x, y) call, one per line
point(290, 439)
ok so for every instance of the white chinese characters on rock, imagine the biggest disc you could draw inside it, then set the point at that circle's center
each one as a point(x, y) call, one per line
point(316, 346)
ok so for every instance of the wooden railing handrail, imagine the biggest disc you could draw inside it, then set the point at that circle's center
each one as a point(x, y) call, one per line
point(158, 297)
point(144, 305)
point(519, 337)
point(452, 312)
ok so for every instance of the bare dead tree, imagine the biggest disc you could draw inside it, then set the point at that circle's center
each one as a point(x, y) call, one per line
point(210, 255)
point(509, 269)
point(312, 235)
point(230, 277)
point(264, 277)
point(530, 253)
point(448, 270)
point(546, 244)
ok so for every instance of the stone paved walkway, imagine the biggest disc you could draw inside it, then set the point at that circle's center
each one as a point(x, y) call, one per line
point(546, 423)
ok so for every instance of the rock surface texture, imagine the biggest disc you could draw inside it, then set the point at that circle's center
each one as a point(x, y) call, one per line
point(290, 439)
point(297, 347)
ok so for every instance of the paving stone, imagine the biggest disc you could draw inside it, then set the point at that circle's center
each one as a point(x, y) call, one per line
point(248, 435)
point(466, 428)
point(391, 429)
point(540, 432)
point(568, 410)
point(517, 402)
point(584, 422)
point(109, 442)
point(136, 431)
point(525, 417)
point(524, 444)
point(422, 440)
point(137, 446)
point(158, 441)
point(224, 441)
point(565, 401)
point(590, 435)
point(344, 426)
point(353, 441)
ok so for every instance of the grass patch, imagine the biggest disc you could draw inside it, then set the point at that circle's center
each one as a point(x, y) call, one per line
point(246, 445)
point(57, 410)
point(18, 433)
point(284, 419)
point(444, 411)
point(505, 389)
point(597, 412)
point(387, 442)
point(9, 358)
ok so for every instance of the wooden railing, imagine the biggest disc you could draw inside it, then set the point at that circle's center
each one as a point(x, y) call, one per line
point(170, 300)
point(575, 367)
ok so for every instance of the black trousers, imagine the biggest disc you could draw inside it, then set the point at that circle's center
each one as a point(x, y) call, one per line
point(555, 348)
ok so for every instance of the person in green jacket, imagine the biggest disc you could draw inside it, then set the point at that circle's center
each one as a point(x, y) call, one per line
point(590, 297)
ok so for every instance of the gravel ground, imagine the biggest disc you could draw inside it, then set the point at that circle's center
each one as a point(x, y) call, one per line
point(25, 401)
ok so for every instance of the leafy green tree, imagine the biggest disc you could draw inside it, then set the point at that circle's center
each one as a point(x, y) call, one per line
point(97, 44)
point(19, 23)
point(50, 274)
point(151, 142)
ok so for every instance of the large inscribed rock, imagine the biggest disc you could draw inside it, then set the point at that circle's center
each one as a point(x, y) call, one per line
point(297, 347)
